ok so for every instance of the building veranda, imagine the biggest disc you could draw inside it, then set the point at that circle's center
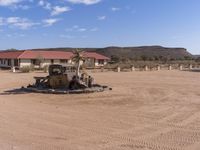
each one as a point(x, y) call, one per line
point(40, 59)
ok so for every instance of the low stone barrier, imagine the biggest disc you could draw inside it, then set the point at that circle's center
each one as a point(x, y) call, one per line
point(133, 68)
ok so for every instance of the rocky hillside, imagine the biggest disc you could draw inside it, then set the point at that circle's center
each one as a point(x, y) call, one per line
point(144, 52)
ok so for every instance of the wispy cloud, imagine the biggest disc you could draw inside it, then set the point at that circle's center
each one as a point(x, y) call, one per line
point(23, 7)
point(94, 29)
point(1, 21)
point(9, 2)
point(15, 4)
point(115, 9)
point(66, 36)
point(86, 2)
point(21, 23)
point(15, 35)
point(59, 10)
point(82, 29)
point(77, 28)
point(101, 17)
point(45, 4)
point(55, 10)
point(50, 22)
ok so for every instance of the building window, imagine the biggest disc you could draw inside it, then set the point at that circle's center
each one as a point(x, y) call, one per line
point(63, 61)
point(101, 62)
point(35, 62)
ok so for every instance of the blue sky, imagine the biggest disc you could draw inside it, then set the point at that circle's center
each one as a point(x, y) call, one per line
point(26, 24)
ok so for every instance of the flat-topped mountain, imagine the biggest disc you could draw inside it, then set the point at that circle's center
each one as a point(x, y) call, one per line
point(135, 52)
point(144, 52)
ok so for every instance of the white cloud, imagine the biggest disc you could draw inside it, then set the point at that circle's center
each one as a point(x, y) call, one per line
point(94, 29)
point(11, 20)
point(45, 4)
point(9, 2)
point(66, 36)
point(25, 24)
point(77, 28)
point(50, 22)
point(8, 35)
point(21, 23)
point(59, 10)
point(86, 2)
point(22, 35)
point(15, 4)
point(15, 35)
point(55, 10)
point(1, 21)
point(41, 3)
point(101, 18)
point(115, 9)
point(23, 7)
point(82, 29)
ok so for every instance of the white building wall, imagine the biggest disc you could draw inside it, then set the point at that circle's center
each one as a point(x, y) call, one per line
point(56, 61)
point(25, 62)
point(96, 63)
point(46, 62)
point(105, 62)
point(100, 65)
point(69, 61)
point(12, 62)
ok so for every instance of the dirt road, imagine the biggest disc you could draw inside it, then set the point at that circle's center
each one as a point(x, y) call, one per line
point(145, 111)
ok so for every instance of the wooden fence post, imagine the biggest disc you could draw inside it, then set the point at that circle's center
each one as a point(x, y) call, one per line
point(118, 69)
point(132, 68)
point(13, 69)
point(169, 67)
point(181, 67)
point(158, 68)
point(190, 66)
point(146, 68)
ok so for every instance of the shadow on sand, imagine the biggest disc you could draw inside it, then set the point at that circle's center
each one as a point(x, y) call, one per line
point(14, 92)
point(192, 70)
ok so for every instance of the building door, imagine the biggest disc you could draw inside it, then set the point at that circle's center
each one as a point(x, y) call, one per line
point(16, 63)
point(9, 62)
point(52, 61)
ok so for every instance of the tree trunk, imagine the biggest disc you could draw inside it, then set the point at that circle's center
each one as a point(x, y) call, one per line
point(78, 69)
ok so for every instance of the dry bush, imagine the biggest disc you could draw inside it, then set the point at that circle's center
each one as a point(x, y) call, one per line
point(25, 69)
point(46, 68)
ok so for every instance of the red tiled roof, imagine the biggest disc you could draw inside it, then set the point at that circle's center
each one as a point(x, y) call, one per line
point(28, 54)
point(11, 54)
point(95, 55)
point(46, 55)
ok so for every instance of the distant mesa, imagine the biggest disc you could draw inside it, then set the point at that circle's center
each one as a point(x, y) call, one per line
point(133, 52)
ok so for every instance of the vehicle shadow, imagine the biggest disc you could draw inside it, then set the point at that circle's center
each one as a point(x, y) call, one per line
point(14, 92)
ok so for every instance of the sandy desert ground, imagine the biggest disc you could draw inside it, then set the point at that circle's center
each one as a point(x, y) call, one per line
point(145, 111)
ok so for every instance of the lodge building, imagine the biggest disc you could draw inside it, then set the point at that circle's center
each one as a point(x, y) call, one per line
point(20, 59)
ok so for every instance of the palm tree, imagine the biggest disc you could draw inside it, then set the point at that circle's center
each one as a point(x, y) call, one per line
point(77, 58)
